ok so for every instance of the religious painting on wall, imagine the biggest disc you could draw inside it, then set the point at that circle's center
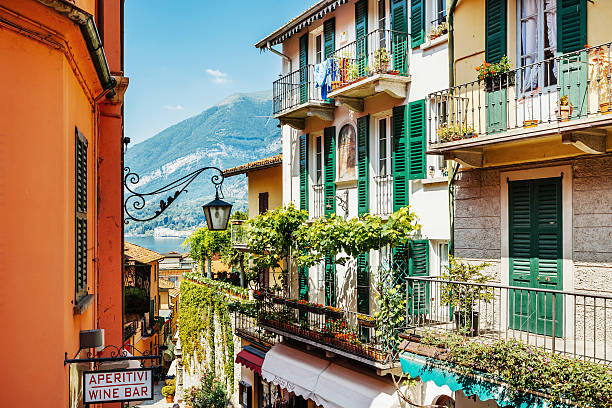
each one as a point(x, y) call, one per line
point(346, 153)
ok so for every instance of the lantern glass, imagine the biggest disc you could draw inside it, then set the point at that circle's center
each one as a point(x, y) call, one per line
point(217, 214)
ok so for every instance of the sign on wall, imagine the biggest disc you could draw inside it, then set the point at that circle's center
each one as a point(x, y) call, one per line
point(118, 385)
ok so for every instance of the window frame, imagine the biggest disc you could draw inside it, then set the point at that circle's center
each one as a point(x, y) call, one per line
point(388, 146)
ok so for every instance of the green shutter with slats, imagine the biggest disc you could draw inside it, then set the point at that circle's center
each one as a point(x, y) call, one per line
point(329, 38)
point(304, 172)
point(496, 15)
point(361, 32)
point(416, 140)
point(330, 282)
point(80, 215)
point(536, 254)
point(303, 283)
point(304, 68)
point(496, 110)
point(363, 164)
point(571, 25)
point(329, 155)
point(418, 292)
point(417, 22)
point(363, 284)
point(399, 36)
point(400, 158)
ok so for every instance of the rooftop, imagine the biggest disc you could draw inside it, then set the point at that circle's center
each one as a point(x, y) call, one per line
point(140, 254)
point(256, 165)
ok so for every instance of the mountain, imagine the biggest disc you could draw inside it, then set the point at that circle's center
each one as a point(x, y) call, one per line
point(235, 131)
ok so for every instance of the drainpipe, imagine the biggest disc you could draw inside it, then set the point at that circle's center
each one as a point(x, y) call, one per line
point(451, 84)
point(280, 54)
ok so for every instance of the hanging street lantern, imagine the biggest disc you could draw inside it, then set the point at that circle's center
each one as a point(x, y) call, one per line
point(217, 214)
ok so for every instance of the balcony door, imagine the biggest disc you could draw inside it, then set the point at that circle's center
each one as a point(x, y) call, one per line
point(535, 238)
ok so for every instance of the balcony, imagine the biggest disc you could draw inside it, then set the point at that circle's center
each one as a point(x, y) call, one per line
point(560, 107)
point(129, 329)
point(573, 324)
point(245, 326)
point(295, 98)
point(339, 332)
point(373, 64)
point(238, 234)
point(383, 195)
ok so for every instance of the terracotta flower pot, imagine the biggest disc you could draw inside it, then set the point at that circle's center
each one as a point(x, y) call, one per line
point(170, 398)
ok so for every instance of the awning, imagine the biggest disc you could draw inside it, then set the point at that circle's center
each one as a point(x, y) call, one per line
point(251, 358)
point(328, 385)
point(479, 384)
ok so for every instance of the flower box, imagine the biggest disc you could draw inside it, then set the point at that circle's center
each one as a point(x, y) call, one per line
point(292, 303)
point(258, 295)
point(302, 307)
point(366, 322)
point(278, 300)
point(498, 82)
point(316, 309)
point(334, 314)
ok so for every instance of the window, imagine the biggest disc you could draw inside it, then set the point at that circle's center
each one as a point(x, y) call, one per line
point(80, 179)
point(538, 42)
point(443, 256)
point(263, 202)
point(346, 153)
point(381, 23)
point(319, 48)
point(384, 146)
point(439, 12)
point(319, 161)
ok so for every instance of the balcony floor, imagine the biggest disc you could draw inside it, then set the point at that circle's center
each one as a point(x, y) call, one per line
point(394, 85)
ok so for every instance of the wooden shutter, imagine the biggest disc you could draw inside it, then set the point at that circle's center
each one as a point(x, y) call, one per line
point(363, 164)
point(263, 200)
point(81, 215)
point(399, 35)
point(417, 22)
point(496, 110)
point(329, 154)
point(329, 38)
point(363, 284)
point(361, 32)
point(495, 30)
point(304, 172)
point(416, 137)
point(304, 68)
point(330, 282)
point(400, 155)
point(571, 25)
point(419, 266)
point(303, 283)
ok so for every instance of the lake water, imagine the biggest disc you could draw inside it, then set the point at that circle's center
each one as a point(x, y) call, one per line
point(160, 244)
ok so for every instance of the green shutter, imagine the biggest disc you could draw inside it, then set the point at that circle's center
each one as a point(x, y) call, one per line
point(80, 178)
point(573, 81)
point(399, 36)
point(536, 257)
point(329, 154)
point(418, 292)
point(303, 283)
point(363, 164)
point(329, 38)
point(416, 140)
point(401, 261)
point(417, 22)
point(304, 172)
point(571, 25)
point(496, 110)
point(495, 30)
point(363, 284)
point(330, 282)
point(361, 32)
point(304, 68)
point(400, 156)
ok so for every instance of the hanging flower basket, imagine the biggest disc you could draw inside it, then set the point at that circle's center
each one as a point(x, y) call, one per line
point(366, 321)
point(498, 82)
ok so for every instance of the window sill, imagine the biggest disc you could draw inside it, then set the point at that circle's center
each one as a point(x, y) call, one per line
point(346, 183)
point(435, 180)
point(83, 304)
point(435, 42)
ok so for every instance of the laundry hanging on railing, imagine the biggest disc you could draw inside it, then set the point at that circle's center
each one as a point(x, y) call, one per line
point(324, 74)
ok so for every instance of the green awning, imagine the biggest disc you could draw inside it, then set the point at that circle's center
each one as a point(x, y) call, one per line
point(479, 384)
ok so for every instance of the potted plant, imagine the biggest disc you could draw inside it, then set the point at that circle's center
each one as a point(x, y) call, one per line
point(450, 132)
point(381, 60)
point(462, 296)
point(334, 312)
point(278, 300)
point(316, 308)
point(565, 110)
point(292, 303)
point(496, 76)
point(168, 392)
point(366, 320)
point(258, 295)
point(303, 305)
point(438, 31)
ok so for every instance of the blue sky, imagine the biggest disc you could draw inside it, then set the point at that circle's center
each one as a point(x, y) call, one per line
point(183, 56)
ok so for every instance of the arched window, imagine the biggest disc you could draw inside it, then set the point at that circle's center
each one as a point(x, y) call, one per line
point(346, 153)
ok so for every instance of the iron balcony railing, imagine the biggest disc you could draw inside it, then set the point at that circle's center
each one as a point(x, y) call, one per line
point(339, 331)
point(383, 195)
point(571, 89)
point(378, 52)
point(318, 209)
point(245, 326)
point(295, 89)
point(575, 324)
point(129, 330)
point(238, 233)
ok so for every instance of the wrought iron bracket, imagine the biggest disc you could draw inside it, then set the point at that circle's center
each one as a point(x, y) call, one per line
point(116, 354)
point(343, 202)
point(137, 201)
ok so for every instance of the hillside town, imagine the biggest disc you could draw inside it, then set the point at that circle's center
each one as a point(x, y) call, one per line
point(417, 215)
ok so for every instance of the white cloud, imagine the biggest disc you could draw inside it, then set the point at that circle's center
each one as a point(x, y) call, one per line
point(174, 108)
point(218, 77)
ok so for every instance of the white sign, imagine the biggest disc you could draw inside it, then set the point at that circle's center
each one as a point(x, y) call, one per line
point(118, 385)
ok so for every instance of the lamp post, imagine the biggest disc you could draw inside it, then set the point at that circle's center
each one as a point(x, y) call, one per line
point(217, 212)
